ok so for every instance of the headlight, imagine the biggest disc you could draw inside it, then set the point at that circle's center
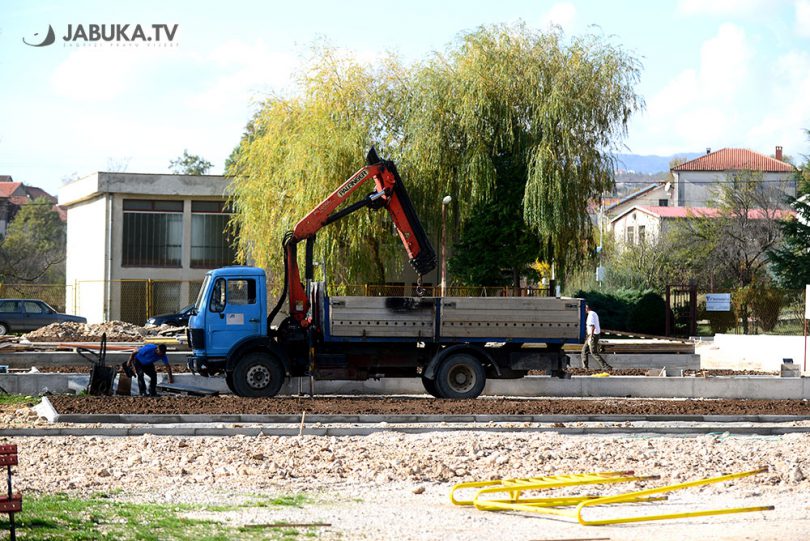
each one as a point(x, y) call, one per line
point(150, 321)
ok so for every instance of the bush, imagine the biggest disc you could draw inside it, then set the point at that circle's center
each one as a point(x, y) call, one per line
point(648, 315)
point(766, 306)
point(719, 322)
point(628, 310)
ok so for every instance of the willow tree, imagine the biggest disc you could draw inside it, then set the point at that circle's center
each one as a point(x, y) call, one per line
point(557, 108)
point(554, 108)
point(298, 149)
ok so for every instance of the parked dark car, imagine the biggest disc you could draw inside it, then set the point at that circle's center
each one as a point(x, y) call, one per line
point(19, 315)
point(176, 319)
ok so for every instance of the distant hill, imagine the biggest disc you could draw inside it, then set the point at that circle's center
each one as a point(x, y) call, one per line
point(650, 164)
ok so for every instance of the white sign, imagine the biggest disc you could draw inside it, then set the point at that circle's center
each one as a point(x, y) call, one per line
point(234, 319)
point(718, 302)
point(807, 302)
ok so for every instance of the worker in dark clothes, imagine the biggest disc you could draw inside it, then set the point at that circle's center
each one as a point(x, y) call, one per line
point(143, 362)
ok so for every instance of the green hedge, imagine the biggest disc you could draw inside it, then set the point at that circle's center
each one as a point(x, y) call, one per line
point(628, 310)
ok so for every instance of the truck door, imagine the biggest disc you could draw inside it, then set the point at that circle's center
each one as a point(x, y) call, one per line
point(233, 313)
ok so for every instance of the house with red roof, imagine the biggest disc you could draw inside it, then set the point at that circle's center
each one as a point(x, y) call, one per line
point(697, 182)
point(14, 195)
point(693, 192)
point(640, 224)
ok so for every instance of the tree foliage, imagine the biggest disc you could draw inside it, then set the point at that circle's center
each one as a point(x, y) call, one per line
point(33, 249)
point(791, 260)
point(496, 247)
point(190, 164)
point(554, 108)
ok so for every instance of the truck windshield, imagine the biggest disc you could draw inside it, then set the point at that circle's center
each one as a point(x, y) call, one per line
point(199, 303)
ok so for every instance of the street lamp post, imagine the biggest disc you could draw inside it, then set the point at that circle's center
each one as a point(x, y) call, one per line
point(445, 201)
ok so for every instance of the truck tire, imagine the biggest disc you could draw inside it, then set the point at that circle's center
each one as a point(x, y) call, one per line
point(430, 387)
point(229, 381)
point(460, 376)
point(258, 374)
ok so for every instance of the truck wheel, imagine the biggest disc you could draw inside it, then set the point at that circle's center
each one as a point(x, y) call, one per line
point(229, 381)
point(460, 376)
point(258, 374)
point(430, 387)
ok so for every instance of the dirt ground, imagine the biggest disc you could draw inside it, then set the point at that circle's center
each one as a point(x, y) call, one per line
point(422, 406)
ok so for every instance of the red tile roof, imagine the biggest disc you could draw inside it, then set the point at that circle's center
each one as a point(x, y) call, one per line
point(7, 189)
point(735, 159)
point(708, 212)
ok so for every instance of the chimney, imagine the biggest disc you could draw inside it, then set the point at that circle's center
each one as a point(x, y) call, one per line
point(778, 153)
point(708, 150)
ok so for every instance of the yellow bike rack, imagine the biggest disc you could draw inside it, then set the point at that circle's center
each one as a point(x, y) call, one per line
point(518, 485)
point(624, 498)
point(573, 506)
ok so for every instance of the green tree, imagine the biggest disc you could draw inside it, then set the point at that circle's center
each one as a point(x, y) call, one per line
point(496, 247)
point(189, 164)
point(33, 249)
point(791, 260)
point(555, 108)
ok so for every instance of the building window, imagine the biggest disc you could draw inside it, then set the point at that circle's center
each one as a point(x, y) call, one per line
point(663, 202)
point(642, 234)
point(211, 245)
point(629, 238)
point(153, 233)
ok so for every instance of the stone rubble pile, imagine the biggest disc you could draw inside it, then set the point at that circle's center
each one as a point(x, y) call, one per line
point(149, 465)
point(117, 331)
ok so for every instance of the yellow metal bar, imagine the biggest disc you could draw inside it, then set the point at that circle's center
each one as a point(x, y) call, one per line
point(621, 498)
point(517, 485)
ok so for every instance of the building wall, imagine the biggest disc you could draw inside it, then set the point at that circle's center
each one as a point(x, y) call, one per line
point(99, 285)
point(700, 188)
point(85, 262)
point(635, 219)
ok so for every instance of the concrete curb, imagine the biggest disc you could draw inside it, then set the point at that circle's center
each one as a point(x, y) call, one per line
point(189, 431)
point(738, 387)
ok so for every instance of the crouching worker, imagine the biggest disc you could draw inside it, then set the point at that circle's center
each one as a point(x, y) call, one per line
point(143, 362)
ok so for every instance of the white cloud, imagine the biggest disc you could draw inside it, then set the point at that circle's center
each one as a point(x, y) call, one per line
point(701, 104)
point(561, 14)
point(724, 7)
point(803, 18)
point(244, 72)
point(724, 61)
point(99, 74)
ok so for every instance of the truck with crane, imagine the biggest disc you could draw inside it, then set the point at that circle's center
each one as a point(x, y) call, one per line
point(454, 344)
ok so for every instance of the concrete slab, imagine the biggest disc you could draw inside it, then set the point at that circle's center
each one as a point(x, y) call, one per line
point(45, 359)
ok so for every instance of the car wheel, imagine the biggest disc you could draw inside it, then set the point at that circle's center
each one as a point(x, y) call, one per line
point(229, 381)
point(460, 376)
point(258, 375)
point(4, 330)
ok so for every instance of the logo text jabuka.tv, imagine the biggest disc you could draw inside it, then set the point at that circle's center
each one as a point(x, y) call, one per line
point(77, 35)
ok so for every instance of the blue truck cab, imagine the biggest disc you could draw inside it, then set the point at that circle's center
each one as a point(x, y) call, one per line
point(230, 319)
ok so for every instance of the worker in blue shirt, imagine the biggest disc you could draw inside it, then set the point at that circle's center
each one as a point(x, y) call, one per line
point(143, 361)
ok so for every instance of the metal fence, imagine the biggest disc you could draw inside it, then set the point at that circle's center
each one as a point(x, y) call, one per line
point(771, 311)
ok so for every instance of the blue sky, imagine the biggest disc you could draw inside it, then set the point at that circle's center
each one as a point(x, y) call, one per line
point(716, 73)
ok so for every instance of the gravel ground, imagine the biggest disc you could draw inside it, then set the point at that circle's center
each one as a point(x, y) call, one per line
point(391, 486)
point(228, 404)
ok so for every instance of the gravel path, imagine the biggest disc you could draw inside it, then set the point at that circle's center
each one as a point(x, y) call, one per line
point(388, 486)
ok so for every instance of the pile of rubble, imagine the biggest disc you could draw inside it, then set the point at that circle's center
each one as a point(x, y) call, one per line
point(117, 331)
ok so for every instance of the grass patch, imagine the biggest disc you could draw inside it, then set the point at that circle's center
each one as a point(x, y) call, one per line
point(61, 517)
point(18, 399)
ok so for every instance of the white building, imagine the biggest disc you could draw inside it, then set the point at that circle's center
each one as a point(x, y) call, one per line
point(697, 181)
point(140, 244)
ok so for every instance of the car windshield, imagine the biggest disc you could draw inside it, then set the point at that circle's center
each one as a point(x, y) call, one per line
point(199, 302)
point(185, 309)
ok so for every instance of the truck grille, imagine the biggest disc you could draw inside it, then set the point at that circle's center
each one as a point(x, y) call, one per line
point(196, 338)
